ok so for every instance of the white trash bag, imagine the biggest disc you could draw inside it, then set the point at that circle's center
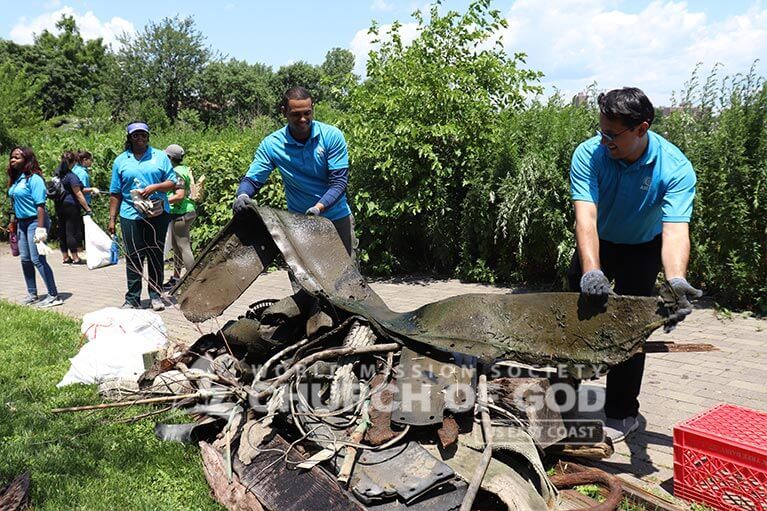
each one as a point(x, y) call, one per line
point(98, 245)
point(117, 340)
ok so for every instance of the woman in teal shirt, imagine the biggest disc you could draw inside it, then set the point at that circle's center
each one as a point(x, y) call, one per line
point(141, 178)
point(26, 188)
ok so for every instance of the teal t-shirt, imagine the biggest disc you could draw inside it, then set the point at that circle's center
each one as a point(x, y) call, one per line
point(304, 167)
point(633, 200)
point(129, 174)
point(27, 194)
point(85, 178)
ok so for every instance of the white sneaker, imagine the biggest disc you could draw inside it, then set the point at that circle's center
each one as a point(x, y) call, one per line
point(157, 304)
point(618, 429)
point(50, 301)
point(30, 299)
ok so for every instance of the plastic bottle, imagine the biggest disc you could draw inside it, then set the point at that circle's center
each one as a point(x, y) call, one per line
point(114, 253)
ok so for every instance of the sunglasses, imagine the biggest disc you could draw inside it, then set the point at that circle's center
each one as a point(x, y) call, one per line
point(612, 137)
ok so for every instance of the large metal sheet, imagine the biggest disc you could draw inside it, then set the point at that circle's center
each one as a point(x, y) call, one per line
point(535, 328)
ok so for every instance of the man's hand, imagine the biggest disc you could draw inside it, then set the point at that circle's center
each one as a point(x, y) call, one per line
point(313, 211)
point(111, 227)
point(683, 292)
point(95, 191)
point(41, 235)
point(594, 283)
point(242, 203)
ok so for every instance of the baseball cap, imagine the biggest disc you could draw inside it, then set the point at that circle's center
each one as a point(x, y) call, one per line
point(137, 126)
point(174, 151)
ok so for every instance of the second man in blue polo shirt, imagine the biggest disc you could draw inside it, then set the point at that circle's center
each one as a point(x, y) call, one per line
point(312, 159)
point(633, 193)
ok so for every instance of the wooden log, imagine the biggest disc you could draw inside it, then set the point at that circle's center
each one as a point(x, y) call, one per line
point(233, 496)
point(592, 452)
point(672, 347)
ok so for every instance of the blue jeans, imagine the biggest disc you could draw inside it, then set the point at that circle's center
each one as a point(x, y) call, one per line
point(30, 259)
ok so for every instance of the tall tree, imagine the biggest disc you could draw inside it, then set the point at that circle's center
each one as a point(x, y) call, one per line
point(66, 68)
point(162, 64)
point(236, 90)
point(337, 76)
point(300, 74)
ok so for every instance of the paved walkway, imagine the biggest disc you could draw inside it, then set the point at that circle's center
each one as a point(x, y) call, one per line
point(676, 386)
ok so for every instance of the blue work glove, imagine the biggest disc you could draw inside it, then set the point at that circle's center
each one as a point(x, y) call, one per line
point(683, 292)
point(241, 203)
point(594, 283)
point(314, 211)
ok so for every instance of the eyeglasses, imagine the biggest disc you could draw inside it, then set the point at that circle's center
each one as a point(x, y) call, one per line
point(610, 138)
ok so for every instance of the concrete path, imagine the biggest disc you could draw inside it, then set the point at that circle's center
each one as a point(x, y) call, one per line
point(676, 386)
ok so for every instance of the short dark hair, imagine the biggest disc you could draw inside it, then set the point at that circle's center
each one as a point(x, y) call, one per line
point(84, 155)
point(629, 105)
point(294, 93)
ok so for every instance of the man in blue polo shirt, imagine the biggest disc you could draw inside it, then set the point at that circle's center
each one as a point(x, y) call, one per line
point(633, 193)
point(313, 161)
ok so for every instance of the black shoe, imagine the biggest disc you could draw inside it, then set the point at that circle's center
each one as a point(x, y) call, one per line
point(78, 261)
point(171, 282)
point(68, 260)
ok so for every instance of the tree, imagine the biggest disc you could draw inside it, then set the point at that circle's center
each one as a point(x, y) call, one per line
point(236, 90)
point(67, 69)
point(162, 63)
point(337, 76)
point(422, 129)
point(300, 74)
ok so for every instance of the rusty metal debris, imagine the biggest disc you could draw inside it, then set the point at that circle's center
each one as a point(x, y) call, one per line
point(327, 399)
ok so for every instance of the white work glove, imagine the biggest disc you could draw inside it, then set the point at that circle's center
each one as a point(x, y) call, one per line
point(95, 191)
point(313, 211)
point(43, 249)
point(41, 235)
point(144, 206)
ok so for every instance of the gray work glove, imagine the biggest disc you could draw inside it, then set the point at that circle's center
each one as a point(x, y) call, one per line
point(683, 292)
point(314, 211)
point(241, 203)
point(594, 283)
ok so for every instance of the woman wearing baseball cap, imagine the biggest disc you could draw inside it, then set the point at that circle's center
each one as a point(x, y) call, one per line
point(182, 215)
point(141, 178)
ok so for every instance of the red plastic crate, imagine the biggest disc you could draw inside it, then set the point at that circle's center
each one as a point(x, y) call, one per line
point(720, 459)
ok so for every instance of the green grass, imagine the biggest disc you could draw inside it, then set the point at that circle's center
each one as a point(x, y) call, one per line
point(81, 460)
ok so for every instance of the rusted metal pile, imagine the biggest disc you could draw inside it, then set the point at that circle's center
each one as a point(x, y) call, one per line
point(327, 399)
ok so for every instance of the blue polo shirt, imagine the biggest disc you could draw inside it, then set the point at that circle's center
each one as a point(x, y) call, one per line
point(634, 200)
point(304, 167)
point(82, 174)
point(129, 174)
point(26, 195)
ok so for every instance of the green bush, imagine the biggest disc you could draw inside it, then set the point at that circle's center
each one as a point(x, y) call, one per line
point(722, 128)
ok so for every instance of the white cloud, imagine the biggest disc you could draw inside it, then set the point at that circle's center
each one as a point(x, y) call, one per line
point(362, 43)
point(91, 27)
point(578, 42)
point(381, 5)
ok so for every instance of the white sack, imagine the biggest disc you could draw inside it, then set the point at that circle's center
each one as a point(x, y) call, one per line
point(98, 245)
point(117, 339)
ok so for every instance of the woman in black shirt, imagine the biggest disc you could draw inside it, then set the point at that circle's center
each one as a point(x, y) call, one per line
point(69, 210)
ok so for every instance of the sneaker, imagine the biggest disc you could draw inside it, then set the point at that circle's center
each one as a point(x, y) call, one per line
point(618, 429)
point(30, 299)
point(169, 285)
point(50, 301)
point(78, 261)
point(157, 305)
point(129, 305)
point(68, 260)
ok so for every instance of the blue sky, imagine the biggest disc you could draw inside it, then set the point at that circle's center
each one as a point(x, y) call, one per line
point(653, 45)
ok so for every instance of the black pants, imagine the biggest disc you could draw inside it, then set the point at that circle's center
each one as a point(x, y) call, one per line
point(70, 227)
point(144, 239)
point(635, 269)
